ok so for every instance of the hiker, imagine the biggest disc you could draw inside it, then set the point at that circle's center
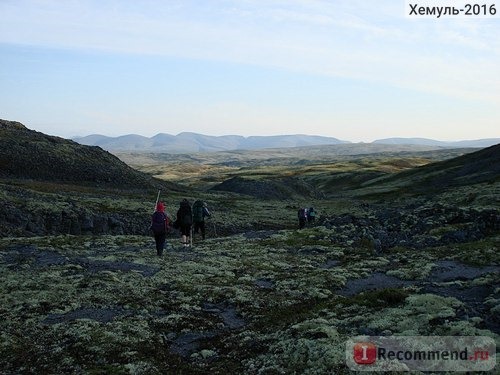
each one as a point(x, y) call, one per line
point(184, 222)
point(311, 215)
point(160, 226)
point(302, 215)
point(200, 211)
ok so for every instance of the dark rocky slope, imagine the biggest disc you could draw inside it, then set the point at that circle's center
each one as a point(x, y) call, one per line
point(482, 166)
point(50, 185)
point(28, 154)
point(417, 226)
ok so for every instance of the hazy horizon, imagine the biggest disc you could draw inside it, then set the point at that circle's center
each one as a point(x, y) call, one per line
point(353, 70)
point(281, 135)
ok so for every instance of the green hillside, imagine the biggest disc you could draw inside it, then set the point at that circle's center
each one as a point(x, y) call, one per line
point(480, 167)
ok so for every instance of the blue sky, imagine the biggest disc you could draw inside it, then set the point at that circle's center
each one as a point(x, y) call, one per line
point(351, 69)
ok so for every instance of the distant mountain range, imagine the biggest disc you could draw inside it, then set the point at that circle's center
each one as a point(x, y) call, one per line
point(193, 142)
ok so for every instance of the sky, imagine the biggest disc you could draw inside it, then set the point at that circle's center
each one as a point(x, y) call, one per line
point(357, 70)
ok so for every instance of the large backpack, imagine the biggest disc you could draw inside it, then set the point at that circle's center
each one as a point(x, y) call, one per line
point(198, 211)
point(158, 222)
point(302, 214)
point(185, 214)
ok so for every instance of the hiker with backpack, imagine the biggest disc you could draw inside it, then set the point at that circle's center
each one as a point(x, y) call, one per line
point(160, 225)
point(302, 215)
point(184, 222)
point(200, 211)
point(311, 215)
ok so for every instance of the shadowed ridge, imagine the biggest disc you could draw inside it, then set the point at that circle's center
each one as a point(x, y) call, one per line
point(473, 168)
point(28, 154)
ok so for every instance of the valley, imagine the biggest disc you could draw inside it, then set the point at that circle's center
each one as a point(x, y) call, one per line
point(406, 242)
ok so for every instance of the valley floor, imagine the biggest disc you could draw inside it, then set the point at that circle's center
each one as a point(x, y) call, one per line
point(260, 302)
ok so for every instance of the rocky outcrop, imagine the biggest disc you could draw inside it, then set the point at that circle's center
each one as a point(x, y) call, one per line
point(16, 222)
point(412, 227)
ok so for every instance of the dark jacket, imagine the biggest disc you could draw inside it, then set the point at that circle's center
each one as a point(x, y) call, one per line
point(159, 222)
point(185, 214)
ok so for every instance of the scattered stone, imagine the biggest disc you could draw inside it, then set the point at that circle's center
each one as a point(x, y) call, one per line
point(227, 313)
point(188, 343)
point(264, 283)
point(330, 263)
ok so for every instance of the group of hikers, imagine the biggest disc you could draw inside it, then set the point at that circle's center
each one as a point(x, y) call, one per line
point(191, 219)
point(306, 215)
point(188, 219)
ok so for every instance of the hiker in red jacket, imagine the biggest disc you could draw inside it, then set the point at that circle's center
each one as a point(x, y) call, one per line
point(159, 226)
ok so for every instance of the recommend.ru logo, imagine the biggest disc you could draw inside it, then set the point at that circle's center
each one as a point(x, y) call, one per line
point(421, 353)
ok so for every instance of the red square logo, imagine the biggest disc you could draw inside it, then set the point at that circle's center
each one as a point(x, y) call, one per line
point(365, 353)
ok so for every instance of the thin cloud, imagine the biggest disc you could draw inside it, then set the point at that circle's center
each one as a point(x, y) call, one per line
point(361, 40)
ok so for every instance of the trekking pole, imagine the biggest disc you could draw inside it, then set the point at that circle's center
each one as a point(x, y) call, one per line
point(191, 236)
point(215, 230)
point(157, 198)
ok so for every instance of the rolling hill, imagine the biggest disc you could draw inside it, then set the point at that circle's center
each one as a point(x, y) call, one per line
point(482, 166)
point(27, 154)
point(432, 142)
point(369, 173)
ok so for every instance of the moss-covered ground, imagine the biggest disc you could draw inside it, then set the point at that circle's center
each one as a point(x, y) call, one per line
point(258, 296)
point(262, 302)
